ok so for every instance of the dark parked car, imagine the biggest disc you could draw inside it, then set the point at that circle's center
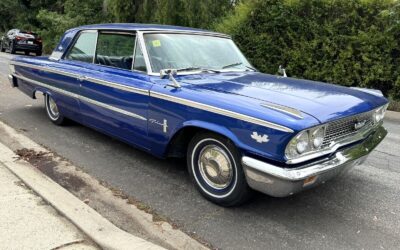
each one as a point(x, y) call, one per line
point(19, 40)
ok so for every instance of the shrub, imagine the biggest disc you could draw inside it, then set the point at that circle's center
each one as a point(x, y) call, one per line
point(352, 43)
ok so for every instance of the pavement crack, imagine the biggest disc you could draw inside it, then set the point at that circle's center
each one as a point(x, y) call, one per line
point(68, 244)
point(386, 153)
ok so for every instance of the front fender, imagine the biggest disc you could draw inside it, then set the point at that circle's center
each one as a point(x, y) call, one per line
point(213, 128)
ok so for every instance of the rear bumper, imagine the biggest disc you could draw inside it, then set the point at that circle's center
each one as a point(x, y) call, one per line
point(280, 182)
point(13, 81)
point(28, 47)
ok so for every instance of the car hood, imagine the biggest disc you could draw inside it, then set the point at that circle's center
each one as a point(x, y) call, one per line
point(323, 101)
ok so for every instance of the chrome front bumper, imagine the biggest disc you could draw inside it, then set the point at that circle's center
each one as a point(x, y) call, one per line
point(280, 182)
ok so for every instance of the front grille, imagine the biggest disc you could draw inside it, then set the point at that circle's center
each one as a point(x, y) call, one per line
point(345, 127)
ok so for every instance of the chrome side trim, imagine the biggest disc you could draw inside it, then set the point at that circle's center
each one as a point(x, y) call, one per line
point(91, 79)
point(186, 102)
point(45, 68)
point(284, 109)
point(221, 111)
point(82, 98)
point(118, 86)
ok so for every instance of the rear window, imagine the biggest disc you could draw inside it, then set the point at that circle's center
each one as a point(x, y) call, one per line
point(28, 33)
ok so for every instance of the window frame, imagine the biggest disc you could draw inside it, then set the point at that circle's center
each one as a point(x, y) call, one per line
point(138, 43)
point(115, 32)
point(76, 38)
point(146, 55)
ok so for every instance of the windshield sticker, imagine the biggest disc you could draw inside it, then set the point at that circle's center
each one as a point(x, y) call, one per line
point(156, 43)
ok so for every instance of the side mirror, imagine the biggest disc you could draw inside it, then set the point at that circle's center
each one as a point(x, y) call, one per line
point(170, 74)
point(164, 73)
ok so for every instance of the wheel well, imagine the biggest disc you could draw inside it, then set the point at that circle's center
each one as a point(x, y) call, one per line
point(177, 147)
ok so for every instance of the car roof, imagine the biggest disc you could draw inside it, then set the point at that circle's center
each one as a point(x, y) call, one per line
point(144, 27)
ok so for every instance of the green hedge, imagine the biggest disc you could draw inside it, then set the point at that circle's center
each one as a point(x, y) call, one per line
point(352, 43)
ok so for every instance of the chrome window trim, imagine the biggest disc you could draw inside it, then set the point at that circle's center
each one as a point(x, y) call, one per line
point(221, 111)
point(76, 37)
point(110, 33)
point(145, 53)
point(137, 43)
point(82, 98)
point(134, 52)
point(170, 98)
point(95, 48)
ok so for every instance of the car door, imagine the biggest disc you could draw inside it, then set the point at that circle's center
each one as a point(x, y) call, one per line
point(114, 97)
point(64, 75)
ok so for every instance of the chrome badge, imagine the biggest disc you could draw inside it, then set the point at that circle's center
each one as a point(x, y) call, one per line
point(358, 125)
point(259, 138)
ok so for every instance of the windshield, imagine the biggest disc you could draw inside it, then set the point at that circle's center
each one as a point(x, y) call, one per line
point(194, 52)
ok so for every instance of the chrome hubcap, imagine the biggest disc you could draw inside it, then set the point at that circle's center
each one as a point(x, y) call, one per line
point(215, 167)
point(53, 107)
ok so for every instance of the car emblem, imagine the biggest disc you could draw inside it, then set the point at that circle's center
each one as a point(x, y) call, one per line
point(259, 138)
point(358, 125)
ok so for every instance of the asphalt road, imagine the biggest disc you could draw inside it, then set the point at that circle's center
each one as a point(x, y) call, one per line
point(358, 211)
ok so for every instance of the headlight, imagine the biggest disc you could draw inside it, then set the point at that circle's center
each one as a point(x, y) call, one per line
point(379, 113)
point(318, 137)
point(305, 141)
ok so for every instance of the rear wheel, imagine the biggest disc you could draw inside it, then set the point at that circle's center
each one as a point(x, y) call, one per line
point(27, 53)
point(1, 48)
point(215, 167)
point(39, 53)
point(12, 48)
point(52, 110)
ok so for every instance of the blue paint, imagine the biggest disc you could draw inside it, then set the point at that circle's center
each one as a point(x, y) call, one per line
point(240, 92)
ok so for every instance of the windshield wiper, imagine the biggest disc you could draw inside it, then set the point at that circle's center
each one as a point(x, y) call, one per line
point(238, 64)
point(232, 65)
point(197, 68)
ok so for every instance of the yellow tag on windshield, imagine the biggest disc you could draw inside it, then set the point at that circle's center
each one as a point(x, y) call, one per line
point(156, 43)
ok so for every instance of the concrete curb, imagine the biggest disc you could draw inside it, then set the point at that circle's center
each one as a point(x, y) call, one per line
point(100, 230)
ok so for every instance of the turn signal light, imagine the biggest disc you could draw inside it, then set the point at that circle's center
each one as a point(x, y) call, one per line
point(310, 180)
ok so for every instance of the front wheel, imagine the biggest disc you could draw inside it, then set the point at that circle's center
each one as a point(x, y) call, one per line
point(215, 167)
point(39, 53)
point(52, 110)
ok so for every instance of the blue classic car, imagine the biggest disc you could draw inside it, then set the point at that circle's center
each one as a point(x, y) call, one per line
point(182, 92)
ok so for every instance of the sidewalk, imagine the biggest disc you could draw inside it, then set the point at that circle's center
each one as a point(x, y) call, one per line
point(37, 213)
point(28, 222)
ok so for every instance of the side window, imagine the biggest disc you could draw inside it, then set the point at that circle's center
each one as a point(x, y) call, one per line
point(139, 63)
point(83, 49)
point(115, 50)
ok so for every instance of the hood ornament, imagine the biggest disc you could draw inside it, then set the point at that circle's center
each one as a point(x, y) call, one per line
point(282, 71)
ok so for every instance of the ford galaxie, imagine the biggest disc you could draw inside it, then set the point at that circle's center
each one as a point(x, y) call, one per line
point(182, 92)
